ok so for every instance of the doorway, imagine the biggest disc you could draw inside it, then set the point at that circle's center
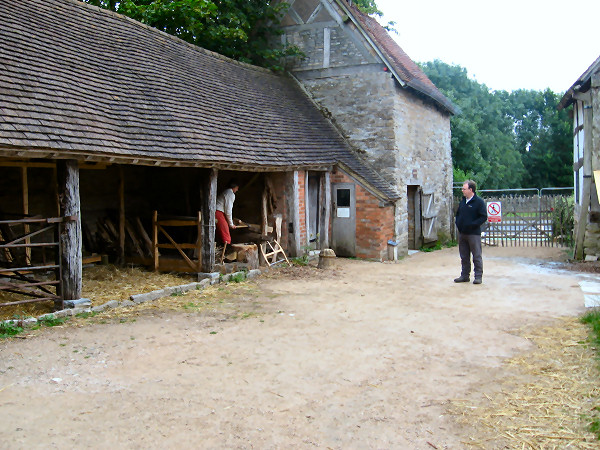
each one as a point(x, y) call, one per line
point(413, 194)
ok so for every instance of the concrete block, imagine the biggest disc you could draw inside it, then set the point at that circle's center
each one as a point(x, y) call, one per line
point(148, 296)
point(213, 277)
point(202, 284)
point(81, 303)
point(63, 313)
point(108, 305)
point(253, 273)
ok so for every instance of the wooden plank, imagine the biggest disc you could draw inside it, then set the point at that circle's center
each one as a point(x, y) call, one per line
point(91, 259)
point(121, 215)
point(111, 229)
point(293, 217)
point(27, 269)
point(34, 300)
point(7, 253)
point(325, 204)
point(4, 285)
point(178, 247)
point(145, 238)
point(134, 239)
point(35, 244)
point(264, 215)
point(25, 188)
point(29, 235)
point(178, 223)
point(155, 239)
point(70, 235)
point(199, 237)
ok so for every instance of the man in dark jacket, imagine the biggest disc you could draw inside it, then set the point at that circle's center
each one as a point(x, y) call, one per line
point(471, 214)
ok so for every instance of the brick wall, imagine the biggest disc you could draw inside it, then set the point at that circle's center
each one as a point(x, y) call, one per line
point(302, 208)
point(374, 223)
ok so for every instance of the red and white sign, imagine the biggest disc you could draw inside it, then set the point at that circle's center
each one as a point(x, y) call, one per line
point(494, 211)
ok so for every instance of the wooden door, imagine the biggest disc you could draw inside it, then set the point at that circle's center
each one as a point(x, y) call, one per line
point(344, 219)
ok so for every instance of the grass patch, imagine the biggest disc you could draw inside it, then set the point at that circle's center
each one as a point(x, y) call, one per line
point(438, 246)
point(191, 305)
point(238, 278)
point(300, 260)
point(592, 320)
point(9, 330)
point(86, 314)
point(50, 321)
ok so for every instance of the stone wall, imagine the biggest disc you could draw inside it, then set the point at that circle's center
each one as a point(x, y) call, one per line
point(422, 142)
point(406, 138)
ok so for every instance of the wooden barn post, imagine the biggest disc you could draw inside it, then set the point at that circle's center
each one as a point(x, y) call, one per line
point(70, 233)
point(293, 207)
point(209, 206)
point(325, 213)
point(121, 216)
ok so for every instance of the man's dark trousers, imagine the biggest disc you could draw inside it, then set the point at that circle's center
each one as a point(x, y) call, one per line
point(467, 244)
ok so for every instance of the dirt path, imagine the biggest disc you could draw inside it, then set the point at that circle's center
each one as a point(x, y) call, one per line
point(366, 357)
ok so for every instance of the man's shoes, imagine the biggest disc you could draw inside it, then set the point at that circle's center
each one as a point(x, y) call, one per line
point(477, 280)
point(462, 279)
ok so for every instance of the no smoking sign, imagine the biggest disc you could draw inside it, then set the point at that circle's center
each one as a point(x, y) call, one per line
point(494, 211)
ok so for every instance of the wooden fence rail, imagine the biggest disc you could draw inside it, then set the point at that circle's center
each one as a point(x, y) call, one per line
point(529, 219)
point(24, 259)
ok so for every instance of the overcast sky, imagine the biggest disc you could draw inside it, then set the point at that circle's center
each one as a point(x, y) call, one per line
point(508, 44)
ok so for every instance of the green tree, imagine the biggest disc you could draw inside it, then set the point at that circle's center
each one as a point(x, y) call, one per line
point(240, 29)
point(368, 7)
point(543, 136)
point(482, 138)
point(506, 140)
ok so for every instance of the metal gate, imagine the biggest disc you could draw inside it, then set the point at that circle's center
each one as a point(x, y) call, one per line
point(530, 217)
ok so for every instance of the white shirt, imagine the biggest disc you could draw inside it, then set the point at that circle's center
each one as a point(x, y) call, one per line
point(225, 204)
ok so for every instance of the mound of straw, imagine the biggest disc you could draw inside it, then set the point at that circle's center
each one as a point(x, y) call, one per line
point(548, 400)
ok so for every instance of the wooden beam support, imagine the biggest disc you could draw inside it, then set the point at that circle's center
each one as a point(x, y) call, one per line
point(325, 213)
point(293, 217)
point(587, 183)
point(25, 189)
point(121, 216)
point(155, 254)
point(70, 231)
point(209, 206)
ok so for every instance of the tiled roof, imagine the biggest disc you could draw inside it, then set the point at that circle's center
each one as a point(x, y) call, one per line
point(406, 69)
point(85, 82)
